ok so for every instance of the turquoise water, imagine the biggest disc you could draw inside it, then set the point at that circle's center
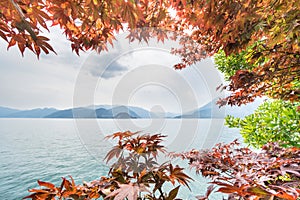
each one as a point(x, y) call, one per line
point(48, 149)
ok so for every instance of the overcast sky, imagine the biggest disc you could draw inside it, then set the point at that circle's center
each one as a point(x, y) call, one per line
point(130, 74)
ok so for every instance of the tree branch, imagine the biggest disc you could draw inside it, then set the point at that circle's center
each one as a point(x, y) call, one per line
point(23, 24)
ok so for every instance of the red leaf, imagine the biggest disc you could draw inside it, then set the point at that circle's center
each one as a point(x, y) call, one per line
point(228, 189)
point(37, 50)
point(11, 43)
point(21, 48)
point(46, 184)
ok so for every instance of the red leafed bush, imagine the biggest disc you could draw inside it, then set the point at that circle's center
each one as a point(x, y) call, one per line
point(135, 174)
point(272, 173)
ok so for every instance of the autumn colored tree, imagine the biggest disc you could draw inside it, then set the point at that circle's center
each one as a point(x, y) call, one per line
point(240, 70)
point(89, 24)
point(214, 25)
point(266, 33)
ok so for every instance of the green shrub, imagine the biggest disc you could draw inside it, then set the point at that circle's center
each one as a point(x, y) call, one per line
point(273, 121)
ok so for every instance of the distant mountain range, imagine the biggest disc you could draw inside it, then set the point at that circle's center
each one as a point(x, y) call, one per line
point(119, 112)
point(212, 110)
point(97, 111)
point(5, 112)
point(34, 113)
point(209, 110)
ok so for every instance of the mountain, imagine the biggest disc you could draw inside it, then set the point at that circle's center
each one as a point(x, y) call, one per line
point(120, 112)
point(73, 113)
point(34, 113)
point(123, 112)
point(209, 110)
point(160, 115)
point(141, 112)
point(212, 110)
point(95, 107)
point(4, 111)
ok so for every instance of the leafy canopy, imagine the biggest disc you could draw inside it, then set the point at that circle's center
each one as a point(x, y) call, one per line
point(250, 79)
point(214, 25)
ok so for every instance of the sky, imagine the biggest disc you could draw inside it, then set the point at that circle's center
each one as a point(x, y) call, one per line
point(134, 74)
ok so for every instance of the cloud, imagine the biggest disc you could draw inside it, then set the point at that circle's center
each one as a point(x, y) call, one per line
point(113, 71)
point(105, 65)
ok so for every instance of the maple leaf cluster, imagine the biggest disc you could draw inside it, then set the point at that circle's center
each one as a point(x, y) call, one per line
point(20, 23)
point(89, 24)
point(270, 28)
point(135, 174)
point(277, 77)
point(274, 172)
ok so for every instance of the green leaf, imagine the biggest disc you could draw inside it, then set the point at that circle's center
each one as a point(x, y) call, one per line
point(173, 193)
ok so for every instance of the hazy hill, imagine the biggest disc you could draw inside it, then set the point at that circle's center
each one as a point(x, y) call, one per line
point(211, 110)
point(4, 111)
point(34, 113)
point(87, 112)
point(141, 112)
point(73, 113)
point(120, 112)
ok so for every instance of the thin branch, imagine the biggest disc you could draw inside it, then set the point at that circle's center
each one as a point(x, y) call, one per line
point(23, 24)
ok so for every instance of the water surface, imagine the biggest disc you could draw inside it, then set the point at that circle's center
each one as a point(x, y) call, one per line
point(48, 149)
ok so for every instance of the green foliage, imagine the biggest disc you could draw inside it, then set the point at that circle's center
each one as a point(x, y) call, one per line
point(296, 83)
point(273, 121)
point(230, 64)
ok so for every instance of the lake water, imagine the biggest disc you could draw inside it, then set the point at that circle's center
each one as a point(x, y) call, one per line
point(48, 149)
